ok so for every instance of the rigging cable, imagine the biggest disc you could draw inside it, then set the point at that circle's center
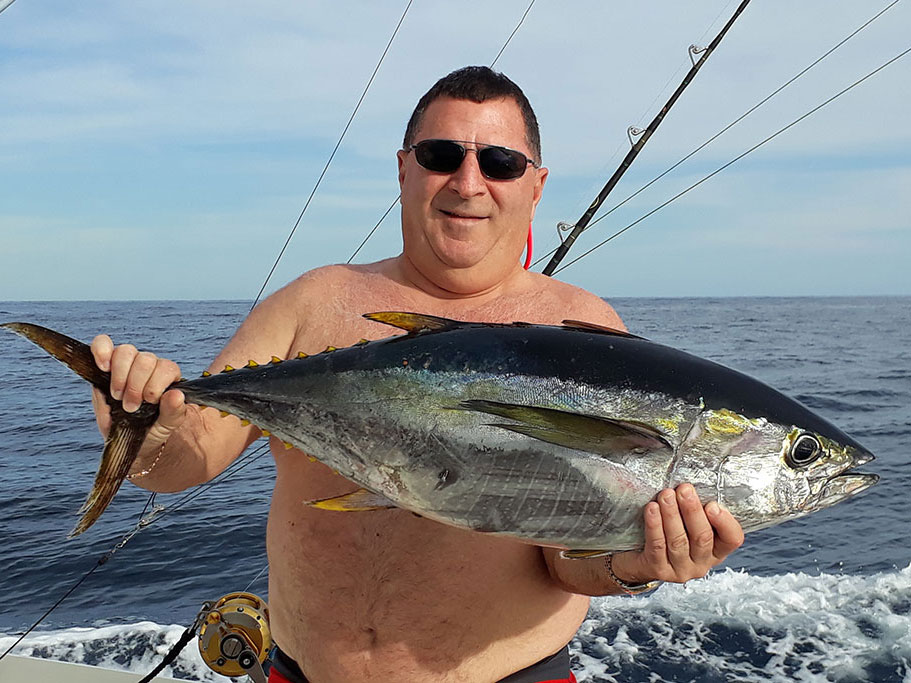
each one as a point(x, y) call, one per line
point(739, 157)
point(143, 522)
point(332, 155)
point(736, 121)
point(396, 200)
point(644, 136)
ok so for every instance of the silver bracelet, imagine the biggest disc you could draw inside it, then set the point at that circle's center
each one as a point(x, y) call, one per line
point(625, 586)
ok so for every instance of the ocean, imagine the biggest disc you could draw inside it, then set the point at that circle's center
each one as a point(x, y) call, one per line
point(822, 598)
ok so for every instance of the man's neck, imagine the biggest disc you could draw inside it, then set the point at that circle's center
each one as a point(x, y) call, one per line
point(456, 286)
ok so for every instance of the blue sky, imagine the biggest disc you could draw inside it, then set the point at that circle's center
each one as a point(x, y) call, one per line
point(158, 150)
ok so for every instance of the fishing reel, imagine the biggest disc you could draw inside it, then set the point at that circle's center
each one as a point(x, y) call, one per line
point(234, 635)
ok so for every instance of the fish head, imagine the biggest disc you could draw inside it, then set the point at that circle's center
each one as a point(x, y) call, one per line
point(777, 472)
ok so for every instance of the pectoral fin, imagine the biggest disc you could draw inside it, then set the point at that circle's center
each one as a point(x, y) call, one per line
point(613, 439)
point(361, 500)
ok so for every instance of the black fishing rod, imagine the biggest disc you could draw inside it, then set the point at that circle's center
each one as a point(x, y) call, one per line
point(644, 135)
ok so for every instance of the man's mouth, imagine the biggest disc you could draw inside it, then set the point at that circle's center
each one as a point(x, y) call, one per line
point(461, 214)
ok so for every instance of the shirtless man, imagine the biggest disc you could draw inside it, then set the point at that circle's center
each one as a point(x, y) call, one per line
point(387, 595)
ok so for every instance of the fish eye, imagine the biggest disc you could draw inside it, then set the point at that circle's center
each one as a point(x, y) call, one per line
point(805, 449)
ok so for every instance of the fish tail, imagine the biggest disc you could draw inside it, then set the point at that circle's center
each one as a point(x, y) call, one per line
point(72, 353)
point(127, 432)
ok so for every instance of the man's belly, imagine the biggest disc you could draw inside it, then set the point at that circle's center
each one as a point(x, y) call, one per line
point(386, 595)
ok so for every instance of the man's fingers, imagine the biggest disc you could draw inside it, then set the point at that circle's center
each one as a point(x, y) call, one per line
point(165, 374)
point(728, 532)
point(701, 536)
point(120, 363)
point(102, 347)
point(140, 372)
point(678, 543)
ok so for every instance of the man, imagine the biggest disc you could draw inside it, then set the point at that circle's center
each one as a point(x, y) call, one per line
point(387, 595)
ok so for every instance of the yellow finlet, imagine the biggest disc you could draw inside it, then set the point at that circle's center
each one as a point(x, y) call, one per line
point(252, 364)
point(265, 433)
point(245, 423)
point(223, 413)
point(311, 458)
point(206, 373)
point(301, 354)
point(330, 348)
point(228, 368)
point(275, 360)
point(361, 342)
point(288, 446)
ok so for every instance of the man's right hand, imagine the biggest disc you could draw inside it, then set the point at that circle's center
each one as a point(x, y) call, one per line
point(138, 376)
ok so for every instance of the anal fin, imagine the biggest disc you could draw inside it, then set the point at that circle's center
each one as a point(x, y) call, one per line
point(361, 500)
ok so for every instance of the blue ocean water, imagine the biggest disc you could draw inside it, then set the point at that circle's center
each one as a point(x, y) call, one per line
point(823, 598)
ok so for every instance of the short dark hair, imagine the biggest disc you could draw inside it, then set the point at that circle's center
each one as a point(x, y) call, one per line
point(478, 84)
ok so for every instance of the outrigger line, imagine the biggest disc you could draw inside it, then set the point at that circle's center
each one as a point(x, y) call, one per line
point(637, 146)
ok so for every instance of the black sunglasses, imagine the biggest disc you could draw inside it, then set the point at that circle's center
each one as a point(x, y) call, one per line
point(496, 163)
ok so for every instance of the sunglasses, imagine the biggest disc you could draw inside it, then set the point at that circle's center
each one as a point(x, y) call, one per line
point(496, 163)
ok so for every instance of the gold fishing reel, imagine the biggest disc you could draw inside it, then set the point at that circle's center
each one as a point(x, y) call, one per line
point(234, 635)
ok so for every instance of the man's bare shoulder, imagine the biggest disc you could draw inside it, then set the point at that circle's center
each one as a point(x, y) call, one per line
point(325, 305)
point(568, 302)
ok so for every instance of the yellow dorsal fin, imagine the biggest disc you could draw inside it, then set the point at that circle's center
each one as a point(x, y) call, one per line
point(412, 322)
point(275, 359)
point(252, 364)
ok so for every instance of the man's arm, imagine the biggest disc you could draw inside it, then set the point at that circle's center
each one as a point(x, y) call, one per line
point(188, 445)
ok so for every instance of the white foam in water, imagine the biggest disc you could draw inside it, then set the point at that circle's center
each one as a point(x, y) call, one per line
point(729, 627)
point(737, 627)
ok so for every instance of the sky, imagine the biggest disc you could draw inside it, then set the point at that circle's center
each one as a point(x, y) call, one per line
point(164, 150)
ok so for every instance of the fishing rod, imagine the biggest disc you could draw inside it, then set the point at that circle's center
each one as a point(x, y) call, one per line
point(637, 146)
point(740, 156)
point(733, 123)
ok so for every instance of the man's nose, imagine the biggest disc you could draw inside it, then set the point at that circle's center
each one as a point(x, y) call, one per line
point(467, 180)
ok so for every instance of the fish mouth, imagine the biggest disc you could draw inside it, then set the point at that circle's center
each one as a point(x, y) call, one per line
point(843, 486)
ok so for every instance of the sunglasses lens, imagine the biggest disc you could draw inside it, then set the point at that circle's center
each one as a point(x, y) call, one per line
point(439, 156)
point(500, 163)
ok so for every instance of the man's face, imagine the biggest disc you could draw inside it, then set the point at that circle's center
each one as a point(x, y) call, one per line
point(462, 226)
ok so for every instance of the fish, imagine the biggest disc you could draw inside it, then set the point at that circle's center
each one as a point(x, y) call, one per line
point(555, 435)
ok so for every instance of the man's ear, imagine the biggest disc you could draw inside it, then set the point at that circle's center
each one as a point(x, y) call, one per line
point(402, 157)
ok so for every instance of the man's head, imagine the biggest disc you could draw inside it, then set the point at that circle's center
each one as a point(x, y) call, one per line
point(464, 228)
point(477, 84)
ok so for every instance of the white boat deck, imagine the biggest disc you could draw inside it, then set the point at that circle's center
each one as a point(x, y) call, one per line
point(15, 669)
